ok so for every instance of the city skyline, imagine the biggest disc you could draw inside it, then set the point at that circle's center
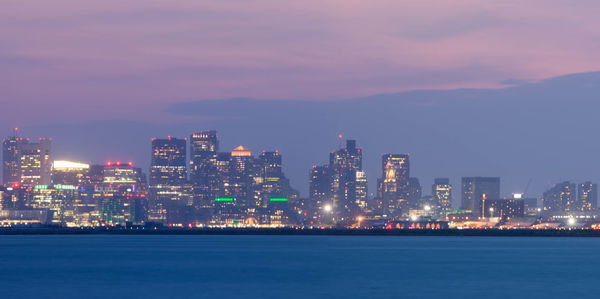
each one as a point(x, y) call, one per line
point(299, 149)
point(173, 165)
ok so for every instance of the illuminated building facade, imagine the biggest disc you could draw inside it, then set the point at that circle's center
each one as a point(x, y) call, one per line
point(204, 147)
point(442, 193)
point(560, 198)
point(121, 197)
point(168, 179)
point(338, 191)
point(269, 180)
point(587, 197)
point(26, 163)
point(503, 208)
point(36, 163)
point(168, 164)
point(394, 186)
point(70, 173)
point(348, 181)
point(11, 159)
point(241, 175)
point(319, 192)
point(477, 189)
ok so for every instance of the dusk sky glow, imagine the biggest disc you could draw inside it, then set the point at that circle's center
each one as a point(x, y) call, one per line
point(103, 77)
point(83, 59)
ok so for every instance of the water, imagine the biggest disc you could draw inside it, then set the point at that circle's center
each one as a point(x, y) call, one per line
point(117, 266)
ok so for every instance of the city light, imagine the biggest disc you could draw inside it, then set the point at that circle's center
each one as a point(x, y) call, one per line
point(238, 189)
point(60, 164)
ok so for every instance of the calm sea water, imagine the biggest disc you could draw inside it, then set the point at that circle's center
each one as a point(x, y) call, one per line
point(113, 266)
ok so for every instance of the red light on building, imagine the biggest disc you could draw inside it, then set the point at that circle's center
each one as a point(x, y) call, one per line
point(118, 163)
point(130, 164)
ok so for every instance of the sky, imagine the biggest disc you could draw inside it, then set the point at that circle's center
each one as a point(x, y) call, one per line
point(107, 69)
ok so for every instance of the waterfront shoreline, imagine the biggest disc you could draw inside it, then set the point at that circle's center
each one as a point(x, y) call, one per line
point(304, 232)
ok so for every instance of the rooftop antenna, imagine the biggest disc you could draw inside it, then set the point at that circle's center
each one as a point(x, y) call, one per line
point(340, 140)
point(16, 132)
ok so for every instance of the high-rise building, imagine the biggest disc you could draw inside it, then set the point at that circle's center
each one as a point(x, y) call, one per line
point(560, 198)
point(394, 185)
point(168, 163)
point(121, 196)
point(348, 182)
point(414, 193)
point(587, 196)
point(338, 191)
point(269, 180)
point(242, 175)
point(168, 179)
point(36, 163)
point(442, 193)
point(204, 146)
point(117, 173)
point(477, 189)
point(320, 197)
point(11, 158)
point(26, 163)
point(70, 173)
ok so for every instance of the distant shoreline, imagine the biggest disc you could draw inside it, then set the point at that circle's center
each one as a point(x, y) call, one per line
point(304, 232)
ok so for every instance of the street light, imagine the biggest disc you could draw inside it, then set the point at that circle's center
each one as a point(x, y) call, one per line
point(327, 208)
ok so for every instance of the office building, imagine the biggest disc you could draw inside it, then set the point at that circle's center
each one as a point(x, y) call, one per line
point(11, 159)
point(561, 198)
point(36, 163)
point(394, 185)
point(70, 173)
point(204, 148)
point(442, 193)
point(503, 208)
point(168, 187)
point(477, 189)
point(587, 197)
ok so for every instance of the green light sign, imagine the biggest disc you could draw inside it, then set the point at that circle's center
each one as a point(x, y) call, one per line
point(64, 187)
point(278, 199)
point(40, 187)
point(223, 199)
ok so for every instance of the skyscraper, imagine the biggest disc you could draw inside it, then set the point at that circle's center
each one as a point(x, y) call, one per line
point(11, 157)
point(414, 193)
point(587, 196)
point(394, 185)
point(36, 163)
point(476, 189)
point(269, 180)
point(560, 198)
point(168, 178)
point(348, 181)
point(319, 192)
point(168, 164)
point(442, 193)
point(70, 173)
point(204, 146)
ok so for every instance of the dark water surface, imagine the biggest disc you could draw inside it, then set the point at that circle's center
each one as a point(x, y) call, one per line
point(196, 266)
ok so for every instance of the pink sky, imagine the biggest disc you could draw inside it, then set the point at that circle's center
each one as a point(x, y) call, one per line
point(129, 59)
